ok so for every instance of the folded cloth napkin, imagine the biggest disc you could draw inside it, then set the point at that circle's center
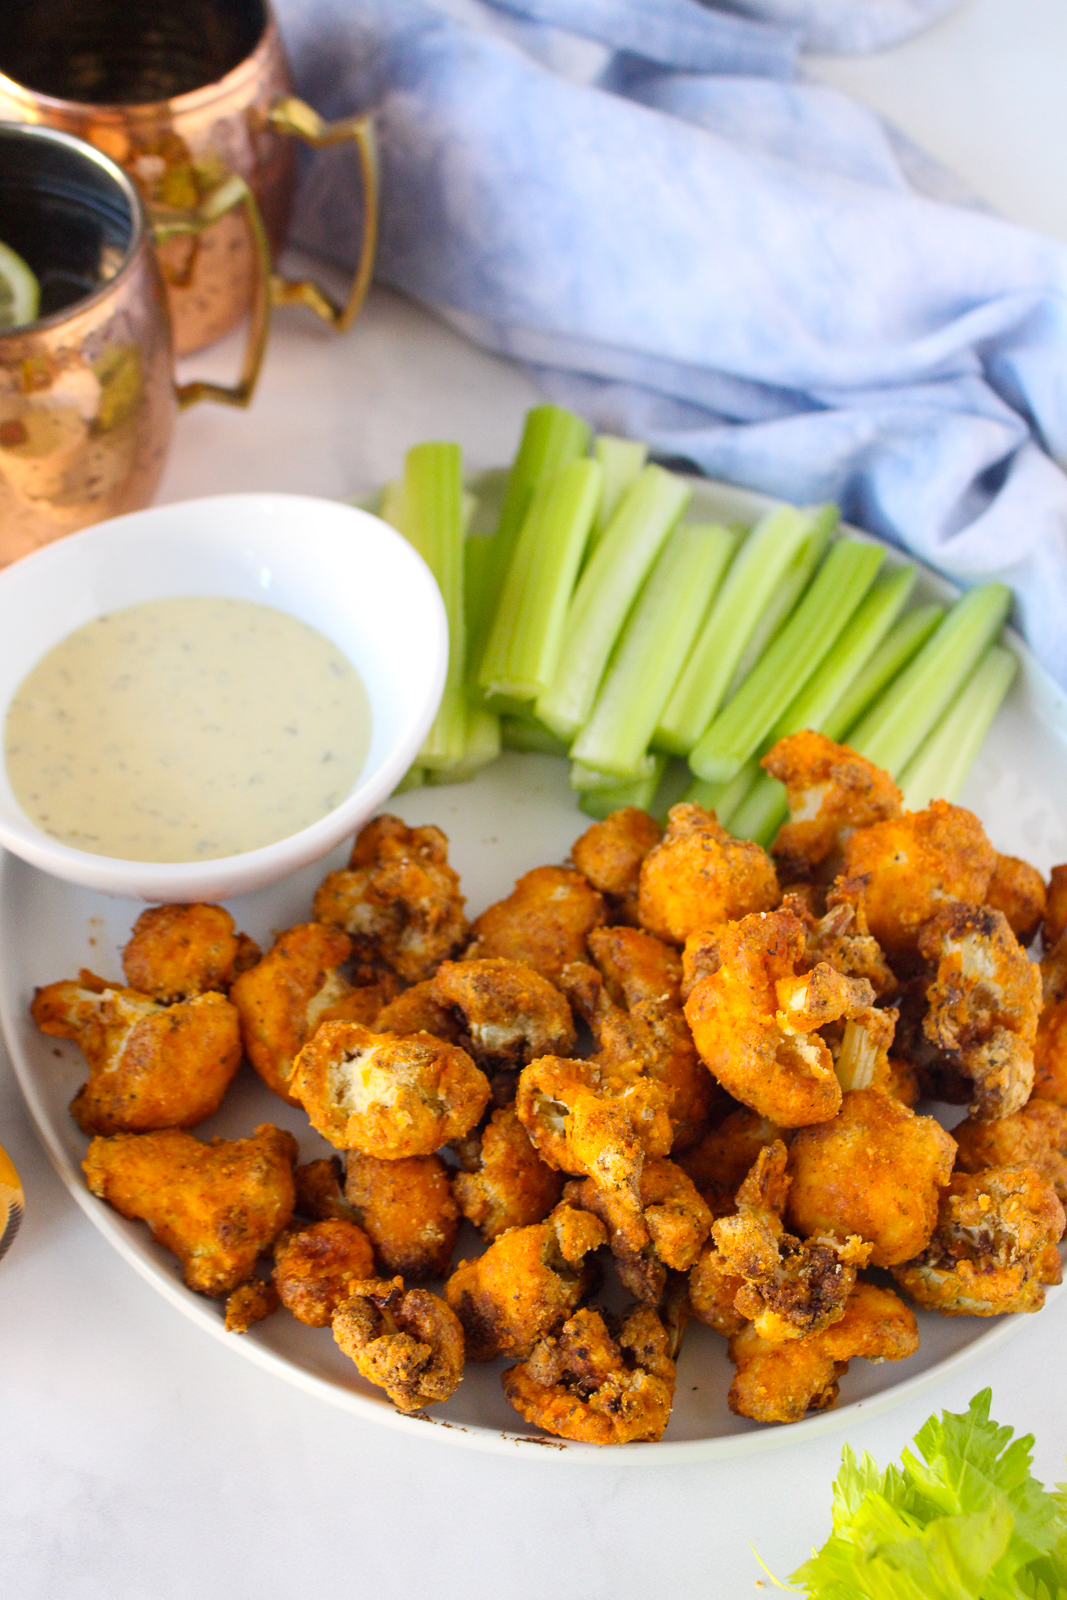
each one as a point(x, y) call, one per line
point(689, 243)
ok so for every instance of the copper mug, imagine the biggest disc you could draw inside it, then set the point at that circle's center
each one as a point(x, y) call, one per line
point(87, 392)
point(194, 99)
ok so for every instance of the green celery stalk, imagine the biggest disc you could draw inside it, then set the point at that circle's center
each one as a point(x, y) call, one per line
point(478, 558)
point(903, 641)
point(653, 647)
point(531, 736)
point(482, 745)
point(761, 812)
point(414, 778)
point(897, 724)
point(522, 651)
point(832, 598)
point(391, 504)
point(606, 591)
point(623, 461)
point(640, 792)
point(781, 542)
point(551, 437)
point(783, 601)
point(431, 517)
point(583, 777)
point(938, 769)
point(724, 798)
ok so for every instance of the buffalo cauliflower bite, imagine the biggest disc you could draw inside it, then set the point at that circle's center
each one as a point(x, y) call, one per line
point(406, 1341)
point(783, 1382)
point(150, 1066)
point(719, 1164)
point(877, 1170)
point(1018, 889)
point(585, 1385)
point(713, 1290)
point(1054, 921)
point(1035, 1137)
point(386, 1095)
point(506, 1184)
point(699, 875)
point(1050, 1046)
point(754, 1020)
point(914, 865)
point(609, 856)
point(398, 898)
point(508, 1014)
point(792, 1287)
point(544, 922)
point(297, 985)
point(841, 937)
point(526, 1284)
point(677, 1222)
point(217, 1206)
point(416, 1011)
point(176, 952)
point(832, 791)
point(983, 1005)
point(993, 1249)
point(320, 1192)
point(407, 1210)
point(314, 1267)
point(249, 1303)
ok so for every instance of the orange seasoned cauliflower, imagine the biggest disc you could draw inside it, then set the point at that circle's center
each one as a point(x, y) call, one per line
point(176, 952)
point(1050, 1046)
point(700, 875)
point(675, 1217)
point(505, 1184)
point(1034, 1137)
point(832, 791)
point(508, 1015)
point(416, 1011)
point(1054, 921)
point(719, 1164)
point(1018, 889)
point(314, 1267)
point(407, 1210)
point(249, 1303)
point(406, 1341)
point(609, 856)
point(544, 922)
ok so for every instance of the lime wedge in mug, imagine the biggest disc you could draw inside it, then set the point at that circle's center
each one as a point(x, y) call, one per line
point(20, 292)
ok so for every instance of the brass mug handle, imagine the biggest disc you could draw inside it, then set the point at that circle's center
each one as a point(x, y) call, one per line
point(167, 222)
point(290, 115)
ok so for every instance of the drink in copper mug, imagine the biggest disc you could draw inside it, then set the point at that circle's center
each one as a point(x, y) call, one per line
point(87, 394)
point(193, 98)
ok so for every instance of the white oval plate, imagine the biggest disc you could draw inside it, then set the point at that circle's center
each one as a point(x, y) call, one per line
point(518, 814)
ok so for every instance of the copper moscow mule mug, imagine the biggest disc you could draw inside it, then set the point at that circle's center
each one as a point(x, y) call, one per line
point(193, 98)
point(87, 393)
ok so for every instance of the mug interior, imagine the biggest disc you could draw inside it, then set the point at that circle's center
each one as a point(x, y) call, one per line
point(125, 52)
point(65, 212)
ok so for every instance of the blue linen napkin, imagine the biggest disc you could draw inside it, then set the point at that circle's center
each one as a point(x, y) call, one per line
point(690, 243)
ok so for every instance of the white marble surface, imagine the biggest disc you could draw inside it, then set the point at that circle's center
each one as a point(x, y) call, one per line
point(138, 1459)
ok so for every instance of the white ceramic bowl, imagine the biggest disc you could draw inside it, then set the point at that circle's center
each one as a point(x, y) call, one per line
point(344, 572)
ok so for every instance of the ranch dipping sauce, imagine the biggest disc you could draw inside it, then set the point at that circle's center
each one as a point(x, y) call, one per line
point(186, 730)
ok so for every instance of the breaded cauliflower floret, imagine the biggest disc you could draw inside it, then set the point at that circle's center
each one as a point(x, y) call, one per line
point(526, 1284)
point(507, 1184)
point(407, 1210)
point(676, 1218)
point(609, 855)
point(700, 875)
point(1018, 889)
point(249, 1303)
point(544, 922)
point(876, 1170)
point(842, 939)
point(914, 865)
point(719, 1164)
point(320, 1192)
point(713, 1290)
point(398, 898)
point(297, 985)
point(637, 968)
point(150, 1066)
point(993, 1249)
point(832, 791)
point(983, 1005)
point(1050, 1046)
point(783, 1382)
point(314, 1267)
point(1034, 1137)
point(1054, 921)
point(176, 952)
point(586, 1385)
point(754, 1020)
point(792, 1287)
point(386, 1095)
point(416, 1011)
point(508, 1014)
point(406, 1341)
point(216, 1206)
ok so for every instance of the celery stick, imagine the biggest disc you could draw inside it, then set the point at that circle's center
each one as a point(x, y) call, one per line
point(526, 733)
point(782, 602)
point(391, 504)
point(551, 437)
point(903, 641)
point(865, 631)
point(583, 777)
point(606, 591)
point(897, 724)
point(414, 778)
point(522, 651)
point(478, 557)
point(623, 461)
point(653, 647)
point(938, 769)
point(832, 598)
point(671, 789)
point(724, 798)
point(482, 746)
point(778, 543)
point(601, 803)
point(761, 812)
point(431, 512)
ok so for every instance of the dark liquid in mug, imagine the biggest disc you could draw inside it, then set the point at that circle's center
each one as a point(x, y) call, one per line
point(125, 52)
